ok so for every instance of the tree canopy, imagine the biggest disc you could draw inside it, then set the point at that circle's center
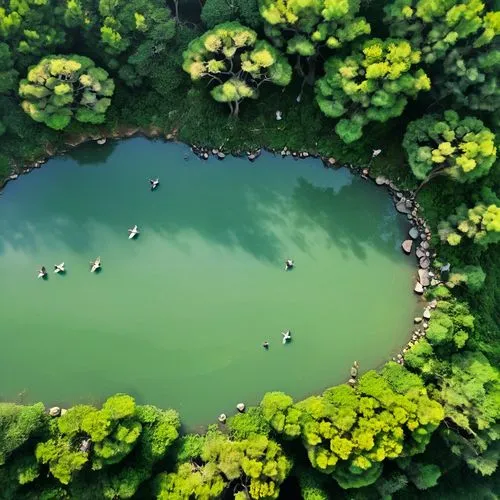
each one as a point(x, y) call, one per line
point(462, 148)
point(372, 84)
point(60, 87)
point(236, 62)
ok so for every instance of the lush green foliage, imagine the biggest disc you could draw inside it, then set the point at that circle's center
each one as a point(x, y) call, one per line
point(373, 84)
point(60, 87)
point(464, 148)
point(237, 61)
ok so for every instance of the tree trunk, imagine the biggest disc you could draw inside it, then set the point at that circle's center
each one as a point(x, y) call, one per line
point(434, 173)
point(176, 5)
point(311, 62)
point(236, 109)
point(298, 66)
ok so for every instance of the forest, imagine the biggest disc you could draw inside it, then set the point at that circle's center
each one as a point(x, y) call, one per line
point(417, 79)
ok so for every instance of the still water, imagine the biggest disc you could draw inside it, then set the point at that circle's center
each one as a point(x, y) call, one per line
point(178, 316)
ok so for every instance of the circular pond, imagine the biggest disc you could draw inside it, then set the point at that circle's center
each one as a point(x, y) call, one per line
point(177, 317)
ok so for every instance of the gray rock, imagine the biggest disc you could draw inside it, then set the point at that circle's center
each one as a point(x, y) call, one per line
point(425, 245)
point(221, 155)
point(417, 320)
point(240, 407)
point(418, 288)
point(419, 253)
point(13, 177)
point(413, 232)
point(402, 208)
point(55, 411)
point(427, 313)
point(101, 141)
point(407, 245)
point(380, 180)
point(423, 277)
point(433, 304)
point(434, 282)
point(424, 263)
point(354, 372)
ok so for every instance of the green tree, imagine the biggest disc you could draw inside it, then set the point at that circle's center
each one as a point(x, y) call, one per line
point(304, 27)
point(237, 62)
point(60, 87)
point(17, 425)
point(424, 476)
point(462, 148)
point(471, 79)
point(438, 25)
point(372, 84)
point(219, 11)
point(472, 276)
point(480, 223)
point(31, 28)
point(8, 75)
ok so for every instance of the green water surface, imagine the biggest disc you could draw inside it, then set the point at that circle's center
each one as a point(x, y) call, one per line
point(177, 317)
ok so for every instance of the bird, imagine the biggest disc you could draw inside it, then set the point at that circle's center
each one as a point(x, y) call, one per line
point(154, 183)
point(59, 268)
point(95, 265)
point(132, 233)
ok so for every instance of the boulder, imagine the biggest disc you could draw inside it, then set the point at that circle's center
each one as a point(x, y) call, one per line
point(305, 154)
point(418, 288)
point(351, 381)
point(63, 411)
point(417, 320)
point(332, 161)
point(435, 282)
point(55, 411)
point(423, 277)
point(380, 180)
point(221, 155)
point(419, 253)
point(425, 245)
point(433, 304)
point(401, 207)
point(424, 263)
point(13, 177)
point(406, 246)
point(354, 372)
point(240, 407)
point(222, 418)
point(427, 313)
point(413, 232)
point(101, 141)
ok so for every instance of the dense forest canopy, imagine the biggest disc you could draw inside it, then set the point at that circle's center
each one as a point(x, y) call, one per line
point(417, 79)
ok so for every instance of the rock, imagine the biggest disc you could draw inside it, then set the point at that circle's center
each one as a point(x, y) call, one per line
point(427, 313)
point(169, 137)
point(332, 161)
point(419, 253)
point(365, 171)
point(409, 204)
point(424, 263)
point(380, 180)
point(354, 372)
point(418, 288)
point(55, 411)
point(401, 207)
point(417, 320)
point(413, 232)
point(434, 282)
point(13, 177)
point(305, 154)
point(222, 418)
point(425, 326)
point(425, 245)
point(407, 245)
point(433, 304)
point(423, 277)
point(101, 141)
point(221, 155)
point(393, 186)
point(351, 381)
point(63, 411)
point(240, 407)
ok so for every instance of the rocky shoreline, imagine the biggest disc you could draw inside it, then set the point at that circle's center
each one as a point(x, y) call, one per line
point(419, 235)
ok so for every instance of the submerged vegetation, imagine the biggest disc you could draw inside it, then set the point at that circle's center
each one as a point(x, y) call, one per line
point(414, 78)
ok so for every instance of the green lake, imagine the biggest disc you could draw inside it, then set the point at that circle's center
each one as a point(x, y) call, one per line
point(177, 317)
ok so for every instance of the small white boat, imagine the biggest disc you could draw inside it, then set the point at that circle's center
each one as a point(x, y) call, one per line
point(59, 268)
point(132, 233)
point(42, 272)
point(288, 264)
point(95, 265)
point(154, 183)
point(287, 336)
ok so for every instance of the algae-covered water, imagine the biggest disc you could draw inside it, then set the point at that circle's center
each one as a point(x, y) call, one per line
point(178, 316)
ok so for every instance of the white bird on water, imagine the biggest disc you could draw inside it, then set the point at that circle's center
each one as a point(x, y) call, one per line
point(154, 183)
point(95, 265)
point(132, 233)
point(42, 272)
point(287, 336)
point(59, 268)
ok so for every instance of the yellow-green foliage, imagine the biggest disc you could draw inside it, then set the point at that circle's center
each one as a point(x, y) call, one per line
point(464, 148)
point(435, 26)
point(356, 429)
point(60, 87)
point(313, 22)
point(373, 84)
point(232, 57)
